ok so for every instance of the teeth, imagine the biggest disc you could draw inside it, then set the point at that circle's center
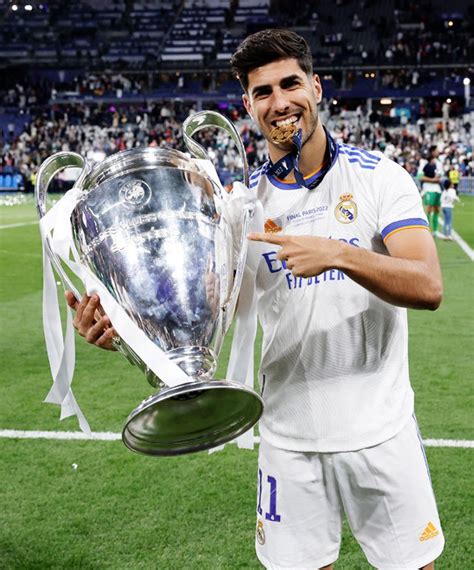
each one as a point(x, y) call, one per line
point(285, 122)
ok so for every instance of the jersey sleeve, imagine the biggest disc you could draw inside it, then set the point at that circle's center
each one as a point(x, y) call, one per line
point(400, 205)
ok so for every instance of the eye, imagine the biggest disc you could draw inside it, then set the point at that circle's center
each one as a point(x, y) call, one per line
point(262, 94)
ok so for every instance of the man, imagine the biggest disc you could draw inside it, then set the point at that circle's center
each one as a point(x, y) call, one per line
point(431, 192)
point(346, 248)
point(349, 249)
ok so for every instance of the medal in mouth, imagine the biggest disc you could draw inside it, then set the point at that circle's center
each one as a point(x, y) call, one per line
point(283, 133)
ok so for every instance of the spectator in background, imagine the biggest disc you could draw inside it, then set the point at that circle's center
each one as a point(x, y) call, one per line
point(448, 198)
point(356, 22)
point(454, 176)
point(431, 193)
point(11, 131)
point(445, 112)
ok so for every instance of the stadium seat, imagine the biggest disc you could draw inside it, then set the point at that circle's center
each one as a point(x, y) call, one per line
point(17, 181)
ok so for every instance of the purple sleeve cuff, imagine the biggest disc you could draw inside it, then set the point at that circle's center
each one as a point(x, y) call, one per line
point(403, 225)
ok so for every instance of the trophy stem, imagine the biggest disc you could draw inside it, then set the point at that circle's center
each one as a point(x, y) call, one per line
point(199, 362)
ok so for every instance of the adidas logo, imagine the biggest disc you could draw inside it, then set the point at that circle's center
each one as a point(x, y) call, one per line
point(430, 532)
point(272, 227)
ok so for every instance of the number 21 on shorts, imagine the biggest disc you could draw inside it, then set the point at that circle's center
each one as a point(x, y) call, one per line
point(271, 515)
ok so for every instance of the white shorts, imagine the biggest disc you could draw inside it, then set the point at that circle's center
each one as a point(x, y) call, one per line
point(385, 492)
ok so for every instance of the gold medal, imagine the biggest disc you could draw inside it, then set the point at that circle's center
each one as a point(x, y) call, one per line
point(283, 133)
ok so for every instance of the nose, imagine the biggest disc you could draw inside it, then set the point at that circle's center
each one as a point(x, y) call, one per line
point(280, 103)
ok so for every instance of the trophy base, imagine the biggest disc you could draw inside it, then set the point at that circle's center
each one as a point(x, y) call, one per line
point(192, 417)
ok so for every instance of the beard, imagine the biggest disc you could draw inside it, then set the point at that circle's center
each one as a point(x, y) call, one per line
point(312, 127)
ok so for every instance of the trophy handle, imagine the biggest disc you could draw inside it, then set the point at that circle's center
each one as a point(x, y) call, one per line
point(191, 126)
point(205, 119)
point(48, 170)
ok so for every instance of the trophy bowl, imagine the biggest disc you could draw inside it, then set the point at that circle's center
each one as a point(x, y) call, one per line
point(150, 225)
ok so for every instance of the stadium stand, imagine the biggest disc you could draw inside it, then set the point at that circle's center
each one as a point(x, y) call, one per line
point(345, 33)
point(112, 75)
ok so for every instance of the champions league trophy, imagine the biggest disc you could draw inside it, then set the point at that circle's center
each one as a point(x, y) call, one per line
point(150, 227)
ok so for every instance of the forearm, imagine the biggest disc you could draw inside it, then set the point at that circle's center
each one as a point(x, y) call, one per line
point(409, 277)
point(407, 283)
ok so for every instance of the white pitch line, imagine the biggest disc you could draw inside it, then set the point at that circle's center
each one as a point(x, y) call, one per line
point(464, 443)
point(463, 245)
point(78, 435)
point(19, 225)
point(110, 436)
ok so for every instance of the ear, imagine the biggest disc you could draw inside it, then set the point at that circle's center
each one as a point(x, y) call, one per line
point(318, 87)
point(247, 105)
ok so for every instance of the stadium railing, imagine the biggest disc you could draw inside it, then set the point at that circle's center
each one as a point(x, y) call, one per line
point(466, 185)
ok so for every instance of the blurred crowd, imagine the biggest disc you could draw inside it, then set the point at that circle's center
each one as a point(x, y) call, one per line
point(29, 95)
point(409, 143)
point(98, 131)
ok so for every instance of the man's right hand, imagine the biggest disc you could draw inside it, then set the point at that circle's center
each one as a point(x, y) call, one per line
point(91, 322)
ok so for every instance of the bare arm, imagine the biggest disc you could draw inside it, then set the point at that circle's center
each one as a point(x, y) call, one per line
point(409, 277)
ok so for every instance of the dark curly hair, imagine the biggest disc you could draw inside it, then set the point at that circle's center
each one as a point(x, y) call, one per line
point(267, 46)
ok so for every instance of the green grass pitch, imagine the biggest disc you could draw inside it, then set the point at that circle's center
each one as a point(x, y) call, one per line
point(121, 510)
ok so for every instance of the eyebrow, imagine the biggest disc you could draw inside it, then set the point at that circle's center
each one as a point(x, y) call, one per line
point(267, 88)
point(287, 81)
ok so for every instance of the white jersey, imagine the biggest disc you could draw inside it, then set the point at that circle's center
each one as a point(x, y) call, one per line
point(334, 368)
point(448, 197)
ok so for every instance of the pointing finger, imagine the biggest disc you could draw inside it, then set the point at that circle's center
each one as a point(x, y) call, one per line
point(268, 238)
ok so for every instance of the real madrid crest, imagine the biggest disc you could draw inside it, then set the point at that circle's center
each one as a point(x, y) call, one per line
point(260, 533)
point(135, 193)
point(346, 210)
